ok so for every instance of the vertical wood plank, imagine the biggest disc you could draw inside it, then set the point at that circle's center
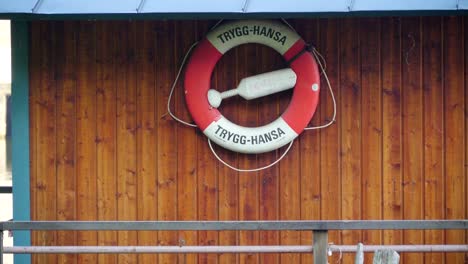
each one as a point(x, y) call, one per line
point(309, 147)
point(66, 129)
point(207, 170)
point(371, 127)
point(86, 208)
point(126, 135)
point(248, 181)
point(167, 157)
point(391, 124)
point(226, 73)
point(106, 133)
point(65, 118)
point(46, 134)
point(433, 130)
point(412, 129)
point(146, 134)
point(350, 129)
point(330, 137)
point(186, 148)
point(454, 107)
point(65, 64)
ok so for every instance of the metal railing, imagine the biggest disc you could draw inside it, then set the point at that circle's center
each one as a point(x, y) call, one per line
point(320, 247)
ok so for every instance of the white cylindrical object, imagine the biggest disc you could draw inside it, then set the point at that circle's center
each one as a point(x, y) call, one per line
point(257, 86)
point(267, 83)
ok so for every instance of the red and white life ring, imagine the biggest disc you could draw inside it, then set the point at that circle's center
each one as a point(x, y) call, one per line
point(252, 139)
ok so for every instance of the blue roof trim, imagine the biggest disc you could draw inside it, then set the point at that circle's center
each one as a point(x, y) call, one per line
point(51, 7)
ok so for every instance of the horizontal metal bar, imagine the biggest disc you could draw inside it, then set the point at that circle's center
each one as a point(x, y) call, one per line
point(6, 189)
point(236, 225)
point(225, 249)
point(157, 249)
point(401, 248)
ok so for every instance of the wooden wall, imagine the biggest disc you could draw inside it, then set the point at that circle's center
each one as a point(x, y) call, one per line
point(104, 148)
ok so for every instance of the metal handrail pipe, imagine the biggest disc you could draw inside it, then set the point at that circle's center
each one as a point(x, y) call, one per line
point(222, 249)
point(303, 225)
point(401, 248)
point(156, 249)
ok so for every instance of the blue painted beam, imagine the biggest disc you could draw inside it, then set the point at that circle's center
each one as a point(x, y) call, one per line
point(20, 132)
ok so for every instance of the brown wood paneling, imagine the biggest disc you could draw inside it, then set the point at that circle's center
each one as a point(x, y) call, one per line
point(371, 127)
point(412, 131)
point(45, 159)
point(66, 120)
point(434, 186)
point(454, 110)
point(146, 102)
point(106, 133)
point(330, 170)
point(126, 134)
point(350, 149)
point(166, 143)
point(391, 125)
point(104, 148)
point(86, 124)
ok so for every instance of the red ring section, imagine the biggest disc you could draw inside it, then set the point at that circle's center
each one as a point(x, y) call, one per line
point(198, 80)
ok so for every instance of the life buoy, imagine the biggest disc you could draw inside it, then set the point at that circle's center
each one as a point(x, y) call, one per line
point(252, 139)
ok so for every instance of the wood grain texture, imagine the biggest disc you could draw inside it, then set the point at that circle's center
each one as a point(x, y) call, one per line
point(369, 39)
point(391, 126)
point(86, 188)
point(186, 148)
point(66, 121)
point(146, 129)
point(350, 149)
point(104, 148)
point(330, 138)
point(45, 182)
point(166, 141)
point(434, 186)
point(127, 181)
point(310, 156)
point(106, 134)
point(454, 110)
point(412, 128)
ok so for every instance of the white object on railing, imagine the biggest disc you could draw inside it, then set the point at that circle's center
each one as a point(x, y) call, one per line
point(359, 254)
point(386, 256)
